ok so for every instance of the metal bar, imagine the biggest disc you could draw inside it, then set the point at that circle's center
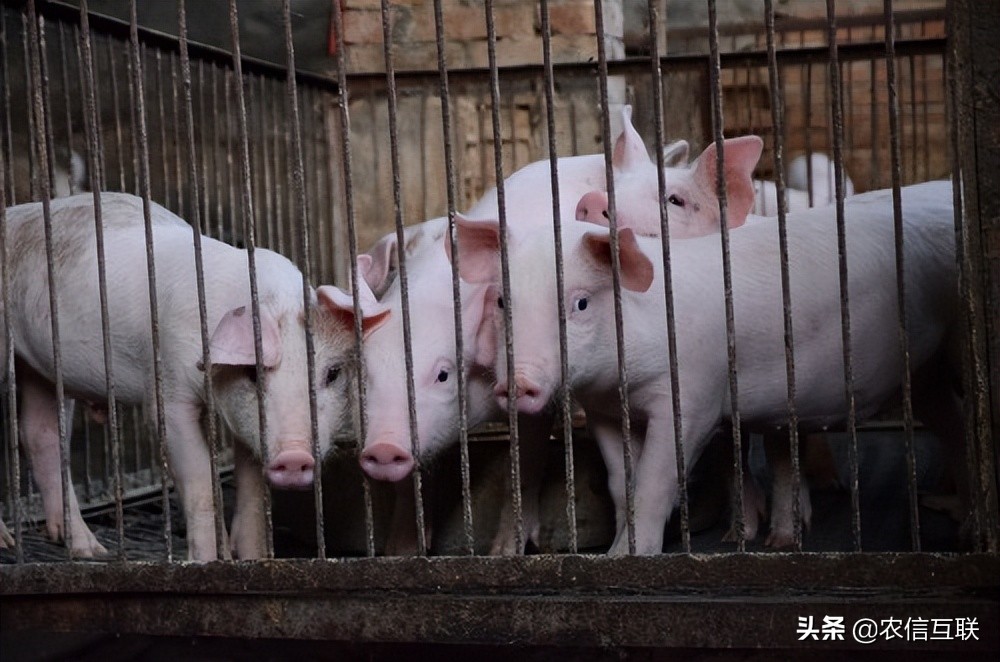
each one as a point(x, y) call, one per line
point(718, 123)
point(403, 279)
point(298, 186)
point(778, 121)
point(668, 280)
point(64, 73)
point(8, 151)
point(456, 290)
point(495, 103)
point(41, 142)
point(212, 436)
point(178, 176)
point(116, 107)
point(897, 215)
point(565, 402)
point(352, 243)
point(250, 240)
point(845, 311)
point(876, 172)
point(162, 121)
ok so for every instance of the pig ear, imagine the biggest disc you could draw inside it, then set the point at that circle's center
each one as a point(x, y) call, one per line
point(479, 315)
point(375, 265)
point(637, 269)
point(675, 155)
point(341, 305)
point(741, 156)
point(232, 341)
point(630, 151)
point(479, 248)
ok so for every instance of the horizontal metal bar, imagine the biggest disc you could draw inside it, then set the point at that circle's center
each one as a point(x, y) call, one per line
point(796, 24)
point(689, 601)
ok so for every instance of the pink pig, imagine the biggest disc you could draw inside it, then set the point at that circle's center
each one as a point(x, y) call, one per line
point(290, 460)
point(701, 334)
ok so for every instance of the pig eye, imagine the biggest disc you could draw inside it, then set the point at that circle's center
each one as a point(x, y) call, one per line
point(580, 304)
point(500, 302)
point(675, 200)
point(442, 376)
point(332, 374)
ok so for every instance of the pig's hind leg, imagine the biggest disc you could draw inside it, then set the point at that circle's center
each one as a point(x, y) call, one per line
point(40, 436)
point(249, 530)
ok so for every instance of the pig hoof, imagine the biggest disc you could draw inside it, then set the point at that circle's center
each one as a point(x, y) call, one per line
point(88, 547)
point(780, 540)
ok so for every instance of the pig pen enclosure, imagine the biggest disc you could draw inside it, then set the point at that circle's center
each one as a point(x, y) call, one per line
point(320, 165)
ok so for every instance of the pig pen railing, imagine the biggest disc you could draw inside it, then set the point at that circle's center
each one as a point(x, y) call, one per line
point(222, 142)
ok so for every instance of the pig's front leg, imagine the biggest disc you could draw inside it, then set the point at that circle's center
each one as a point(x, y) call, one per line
point(655, 486)
point(533, 437)
point(40, 436)
point(190, 464)
point(754, 507)
point(607, 431)
point(249, 529)
point(782, 498)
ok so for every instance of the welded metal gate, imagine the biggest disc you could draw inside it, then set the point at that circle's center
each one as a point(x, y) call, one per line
point(219, 140)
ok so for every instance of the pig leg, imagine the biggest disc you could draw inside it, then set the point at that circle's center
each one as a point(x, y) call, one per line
point(190, 464)
point(247, 539)
point(533, 436)
point(655, 490)
point(754, 508)
point(607, 431)
point(40, 436)
point(782, 498)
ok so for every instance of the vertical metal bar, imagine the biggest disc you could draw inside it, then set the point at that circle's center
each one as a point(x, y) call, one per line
point(162, 121)
point(199, 266)
point(116, 107)
point(298, 187)
point(64, 73)
point(278, 198)
point(875, 175)
point(515, 454)
point(178, 177)
point(807, 134)
point(727, 277)
point(132, 119)
point(565, 403)
point(668, 279)
point(897, 214)
point(268, 162)
point(8, 143)
point(845, 311)
point(33, 193)
point(38, 92)
point(352, 243)
point(778, 121)
point(216, 187)
point(235, 210)
point(456, 293)
point(250, 240)
point(403, 279)
point(911, 60)
point(13, 433)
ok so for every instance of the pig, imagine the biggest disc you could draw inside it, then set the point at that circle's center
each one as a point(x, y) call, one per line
point(701, 329)
point(822, 184)
point(289, 457)
point(387, 452)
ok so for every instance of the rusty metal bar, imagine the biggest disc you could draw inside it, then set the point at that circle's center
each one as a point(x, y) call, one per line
point(718, 123)
point(512, 418)
point(212, 437)
point(352, 243)
point(250, 240)
point(565, 402)
point(668, 287)
point(403, 276)
point(897, 215)
point(778, 122)
point(616, 285)
point(845, 311)
point(456, 290)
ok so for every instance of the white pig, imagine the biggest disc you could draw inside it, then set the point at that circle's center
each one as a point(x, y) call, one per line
point(701, 328)
point(289, 457)
point(387, 452)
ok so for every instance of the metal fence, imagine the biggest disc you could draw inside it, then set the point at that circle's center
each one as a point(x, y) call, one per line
point(317, 169)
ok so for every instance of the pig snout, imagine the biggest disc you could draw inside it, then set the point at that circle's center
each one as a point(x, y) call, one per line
point(593, 208)
point(291, 469)
point(386, 461)
point(531, 397)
